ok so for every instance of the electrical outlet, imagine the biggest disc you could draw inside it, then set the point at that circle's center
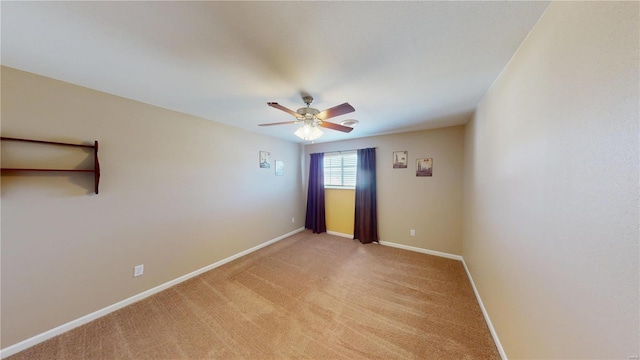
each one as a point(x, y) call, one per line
point(293, 220)
point(412, 232)
point(138, 270)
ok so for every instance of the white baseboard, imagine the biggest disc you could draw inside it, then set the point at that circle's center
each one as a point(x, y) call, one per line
point(421, 250)
point(25, 344)
point(503, 354)
point(349, 236)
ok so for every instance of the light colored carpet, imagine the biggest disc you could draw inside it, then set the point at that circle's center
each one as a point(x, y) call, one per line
point(308, 296)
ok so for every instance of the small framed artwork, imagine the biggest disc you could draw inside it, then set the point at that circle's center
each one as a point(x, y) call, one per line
point(265, 159)
point(400, 159)
point(279, 167)
point(424, 167)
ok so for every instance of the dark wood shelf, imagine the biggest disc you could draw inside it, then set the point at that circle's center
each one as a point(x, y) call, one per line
point(96, 164)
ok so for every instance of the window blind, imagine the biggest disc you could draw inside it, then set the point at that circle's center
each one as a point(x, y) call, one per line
point(340, 169)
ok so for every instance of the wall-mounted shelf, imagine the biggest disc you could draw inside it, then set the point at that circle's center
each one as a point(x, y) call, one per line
point(96, 164)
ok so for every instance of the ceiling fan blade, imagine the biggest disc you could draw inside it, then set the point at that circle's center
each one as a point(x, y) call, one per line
point(280, 107)
point(279, 123)
point(335, 111)
point(330, 125)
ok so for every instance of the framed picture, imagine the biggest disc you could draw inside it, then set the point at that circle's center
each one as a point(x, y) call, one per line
point(279, 167)
point(424, 167)
point(265, 159)
point(400, 159)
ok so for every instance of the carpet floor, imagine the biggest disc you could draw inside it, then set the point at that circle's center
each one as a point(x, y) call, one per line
point(309, 296)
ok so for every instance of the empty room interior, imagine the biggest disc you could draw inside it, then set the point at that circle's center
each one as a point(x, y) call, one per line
point(321, 180)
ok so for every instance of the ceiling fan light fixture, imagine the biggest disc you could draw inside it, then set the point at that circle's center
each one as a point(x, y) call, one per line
point(311, 119)
point(308, 132)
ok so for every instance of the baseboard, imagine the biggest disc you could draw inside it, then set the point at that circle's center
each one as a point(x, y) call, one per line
point(25, 344)
point(349, 236)
point(503, 354)
point(421, 250)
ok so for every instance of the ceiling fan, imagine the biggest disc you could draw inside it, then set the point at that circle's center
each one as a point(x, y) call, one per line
point(311, 119)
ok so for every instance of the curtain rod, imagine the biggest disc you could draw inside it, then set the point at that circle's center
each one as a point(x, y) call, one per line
point(341, 151)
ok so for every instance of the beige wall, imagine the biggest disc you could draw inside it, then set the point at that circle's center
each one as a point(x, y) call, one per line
point(177, 193)
point(551, 188)
point(430, 205)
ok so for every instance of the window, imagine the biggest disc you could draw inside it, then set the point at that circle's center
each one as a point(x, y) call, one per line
point(340, 169)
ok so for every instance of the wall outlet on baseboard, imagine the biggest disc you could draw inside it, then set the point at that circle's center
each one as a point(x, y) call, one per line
point(293, 220)
point(412, 232)
point(138, 270)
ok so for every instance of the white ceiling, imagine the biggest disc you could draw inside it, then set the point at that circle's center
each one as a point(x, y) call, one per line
point(403, 65)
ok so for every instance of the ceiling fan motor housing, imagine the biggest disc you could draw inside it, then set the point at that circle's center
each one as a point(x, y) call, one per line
point(308, 112)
